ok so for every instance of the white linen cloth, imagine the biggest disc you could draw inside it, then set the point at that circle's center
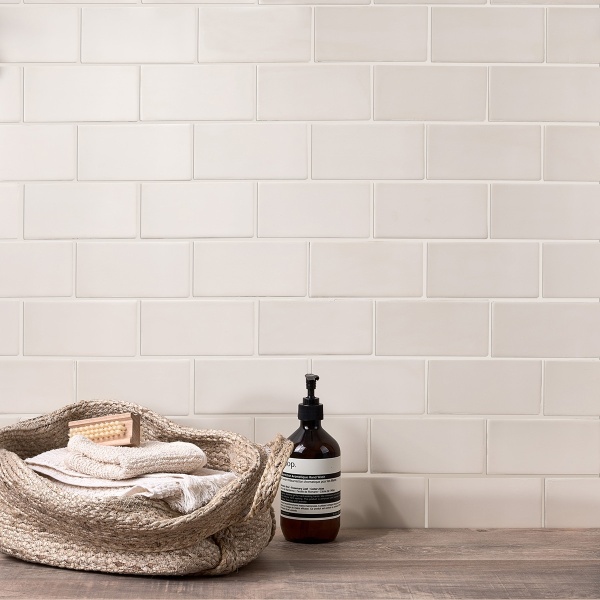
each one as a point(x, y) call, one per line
point(184, 493)
point(123, 462)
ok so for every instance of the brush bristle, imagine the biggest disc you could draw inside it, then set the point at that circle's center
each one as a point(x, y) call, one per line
point(100, 432)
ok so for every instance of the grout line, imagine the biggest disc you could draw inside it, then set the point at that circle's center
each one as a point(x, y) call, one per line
point(21, 329)
point(426, 385)
point(256, 328)
point(543, 502)
point(255, 209)
point(425, 269)
point(191, 253)
point(255, 93)
point(540, 271)
point(76, 378)
point(74, 249)
point(490, 319)
point(21, 210)
point(545, 35)
point(309, 151)
point(192, 410)
point(371, 210)
point(139, 119)
point(427, 502)
point(138, 350)
point(22, 75)
point(308, 268)
point(542, 388)
point(80, 27)
point(489, 211)
point(313, 33)
point(374, 325)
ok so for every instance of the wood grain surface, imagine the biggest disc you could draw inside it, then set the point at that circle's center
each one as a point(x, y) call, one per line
point(365, 564)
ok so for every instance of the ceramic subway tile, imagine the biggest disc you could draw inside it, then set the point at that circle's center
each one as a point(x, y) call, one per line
point(573, 35)
point(197, 210)
point(80, 210)
point(250, 268)
point(255, 34)
point(418, 328)
point(484, 387)
point(430, 210)
point(10, 211)
point(544, 94)
point(379, 151)
point(482, 270)
point(133, 269)
point(138, 34)
point(38, 152)
point(84, 328)
point(383, 501)
point(484, 152)
point(437, 93)
point(551, 447)
point(36, 269)
point(346, 269)
point(571, 270)
point(254, 386)
point(427, 445)
point(163, 386)
point(130, 152)
point(11, 109)
point(371, 386)
point(571, 388)
point(171, 328)
point(250, 151)
point(548, 211)
point(314, 92)
point(382, 33)
point(37, 386)
point(293, 209)
point(572, 153)
point(10, 325)
point(485, 502)
point(553, 330)
point(486, 34)
point(81, 93)
point(572, 502)
point(39, 34)
point(197, 93)
point(316, 327)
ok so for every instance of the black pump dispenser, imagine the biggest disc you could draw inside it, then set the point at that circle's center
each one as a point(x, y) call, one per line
point(310, 409)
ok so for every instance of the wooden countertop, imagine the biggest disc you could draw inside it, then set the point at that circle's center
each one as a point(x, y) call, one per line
point(366, 564)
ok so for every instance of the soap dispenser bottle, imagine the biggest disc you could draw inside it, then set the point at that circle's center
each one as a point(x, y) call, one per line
point(311, 480)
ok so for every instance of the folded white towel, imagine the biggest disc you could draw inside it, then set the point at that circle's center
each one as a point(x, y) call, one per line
point(184, 493)
point(123, 462)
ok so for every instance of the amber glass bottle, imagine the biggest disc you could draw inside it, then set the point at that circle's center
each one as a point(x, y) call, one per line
point(310, 484)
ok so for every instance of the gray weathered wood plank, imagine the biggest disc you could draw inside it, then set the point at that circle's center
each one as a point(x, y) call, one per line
point(374, 564)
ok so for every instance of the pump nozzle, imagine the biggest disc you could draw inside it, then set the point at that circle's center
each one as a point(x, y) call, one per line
point(310, 409)
point(311, 386)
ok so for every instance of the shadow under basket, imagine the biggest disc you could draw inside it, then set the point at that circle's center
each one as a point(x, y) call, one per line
point(42, 522)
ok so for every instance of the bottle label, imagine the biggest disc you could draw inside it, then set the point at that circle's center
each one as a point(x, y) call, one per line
point(311, 488)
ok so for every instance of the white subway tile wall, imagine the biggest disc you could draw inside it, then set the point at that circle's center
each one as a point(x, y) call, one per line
point(201, 202)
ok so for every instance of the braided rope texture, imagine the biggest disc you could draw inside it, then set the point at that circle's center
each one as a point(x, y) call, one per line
point(42, 522)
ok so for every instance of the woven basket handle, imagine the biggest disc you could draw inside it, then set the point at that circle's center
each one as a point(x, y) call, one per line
point(279, 451)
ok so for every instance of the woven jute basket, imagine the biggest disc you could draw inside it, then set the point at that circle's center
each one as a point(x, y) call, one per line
point(42, 522)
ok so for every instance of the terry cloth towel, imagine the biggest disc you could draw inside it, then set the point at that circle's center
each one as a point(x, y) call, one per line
point(184, 493)
point(123, 462)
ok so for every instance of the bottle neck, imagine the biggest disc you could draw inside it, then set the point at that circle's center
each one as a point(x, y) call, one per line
point(313, 424)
